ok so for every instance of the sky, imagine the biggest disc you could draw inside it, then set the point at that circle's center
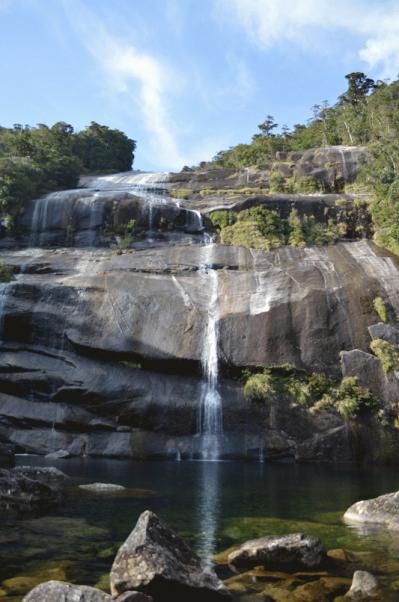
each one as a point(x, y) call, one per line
point(186, 78)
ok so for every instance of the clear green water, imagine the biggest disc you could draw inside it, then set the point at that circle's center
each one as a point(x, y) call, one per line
point(211, 505)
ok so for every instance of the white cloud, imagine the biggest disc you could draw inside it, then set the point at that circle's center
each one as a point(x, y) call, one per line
point(376, 24)
point(130, 72)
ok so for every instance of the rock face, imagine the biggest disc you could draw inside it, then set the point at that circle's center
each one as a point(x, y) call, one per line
point(382, 511)
point(329, 166)
point(55, 591)
point(156, 561)
point(102, 350)
point(296, 551)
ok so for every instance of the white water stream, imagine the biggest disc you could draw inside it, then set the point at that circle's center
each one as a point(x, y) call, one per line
point(210, 421)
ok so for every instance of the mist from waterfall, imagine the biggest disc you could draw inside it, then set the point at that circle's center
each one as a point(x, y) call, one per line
point(210, 420)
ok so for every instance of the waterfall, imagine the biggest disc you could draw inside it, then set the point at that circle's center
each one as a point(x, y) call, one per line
point(345, 171)
point(210, 423)
point(194, 221)
point(147, 185)
point(4, 289)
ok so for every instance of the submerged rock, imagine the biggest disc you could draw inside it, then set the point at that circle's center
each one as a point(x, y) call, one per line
point(156, 561)
point(26, 486)
point(55, 591)
point(60, 454)
point(382, 510)
point(294, 551)
point(364, 585)
point(102, 487)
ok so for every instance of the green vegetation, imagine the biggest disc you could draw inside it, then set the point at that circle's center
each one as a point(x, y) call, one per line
point(127, 234)
point(6, 273)
point(366, 114)
point(381, 308)
point(204, 192)
point(361, 115)
point(37, 160)
point(222, 219)
point(285, 381)
point(387, 354)
point(349, 399)
point(314, 391)
point(261, 228)
point(181, 193)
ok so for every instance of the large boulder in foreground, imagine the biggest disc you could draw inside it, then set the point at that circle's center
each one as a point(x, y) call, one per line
point(382, 510)
point(288, 552)
point(57, 591)
point(155, 561)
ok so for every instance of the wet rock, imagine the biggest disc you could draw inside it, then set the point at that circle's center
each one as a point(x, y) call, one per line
point(25, 487)
point(287, 552)
point(55, 591)
point(364, 585)
point(46, 474)
point(102, 487)
point(133, 597)
point(155, 561)
point(382, 511)
point(60, 454)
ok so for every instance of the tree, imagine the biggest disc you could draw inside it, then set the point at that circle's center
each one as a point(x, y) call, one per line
point(359, 86)
point(101, 148)
point(268, 126)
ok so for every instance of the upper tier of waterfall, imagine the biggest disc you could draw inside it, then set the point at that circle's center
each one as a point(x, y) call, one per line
point(96, 213)
point(127, 181)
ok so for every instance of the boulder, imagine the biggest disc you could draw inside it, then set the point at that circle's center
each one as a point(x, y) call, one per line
point(364, 586)
point(155, 561)
point(102, 487)
point(295, 551)
point(60, 454)
point(382, 511)
point(55, 591)
point(22, 489)
point(47, 474)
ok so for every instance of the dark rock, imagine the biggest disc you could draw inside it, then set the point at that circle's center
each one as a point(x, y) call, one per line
point(364, 586)
point(133, 597)
point(387, 332)
point(370, 374)
point(47, 474)
point(382, 511)
point(334, 444)
point(157, 562)
point(55, 591)
point(21, 490)
point(295, 551)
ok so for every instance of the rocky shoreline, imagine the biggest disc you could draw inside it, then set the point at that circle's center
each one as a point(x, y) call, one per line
point(155, 565)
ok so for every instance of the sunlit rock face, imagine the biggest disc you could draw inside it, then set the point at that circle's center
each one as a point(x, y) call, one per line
point(301, 306)
point(139, 352)
point(330, 166)
point(77, 324)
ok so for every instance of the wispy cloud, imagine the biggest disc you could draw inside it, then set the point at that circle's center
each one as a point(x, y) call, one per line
point(132, 73)
point(375, 24)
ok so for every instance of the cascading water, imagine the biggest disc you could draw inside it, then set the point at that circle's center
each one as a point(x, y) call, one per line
point(4, 290)
point(148, 186)
point(210, 420)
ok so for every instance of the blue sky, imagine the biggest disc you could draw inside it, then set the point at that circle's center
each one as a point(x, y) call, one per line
point(186, 78)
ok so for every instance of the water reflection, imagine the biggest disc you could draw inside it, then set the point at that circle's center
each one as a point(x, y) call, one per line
point(209, 507)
